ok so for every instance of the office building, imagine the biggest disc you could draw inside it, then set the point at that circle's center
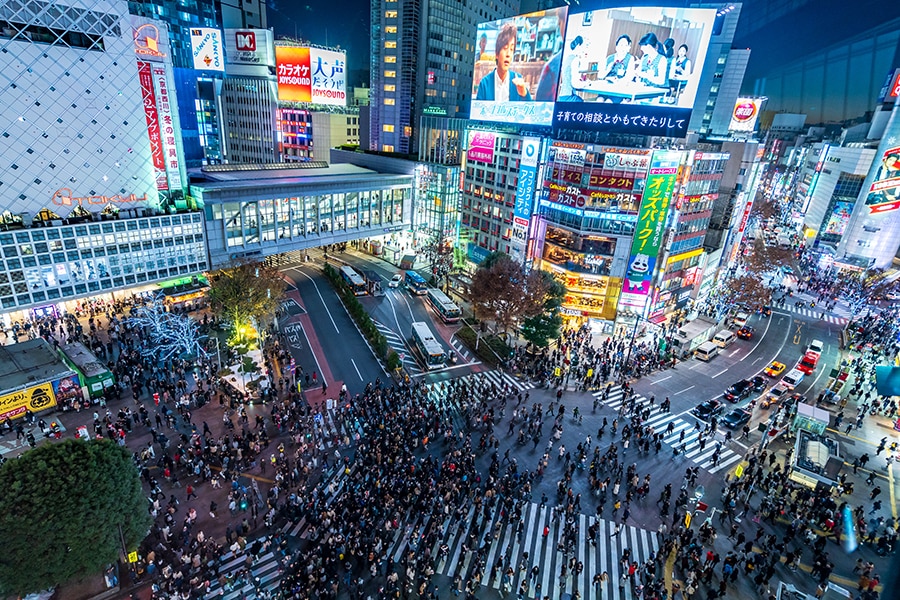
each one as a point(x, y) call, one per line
point(422, 59)
point(310, 135)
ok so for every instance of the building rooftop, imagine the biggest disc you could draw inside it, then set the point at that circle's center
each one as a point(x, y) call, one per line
point(29, 363)
point(267, 178)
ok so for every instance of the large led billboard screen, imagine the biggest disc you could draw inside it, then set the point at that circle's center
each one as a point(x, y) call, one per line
point(632, 70)
point(311, 75)
point(517, 62)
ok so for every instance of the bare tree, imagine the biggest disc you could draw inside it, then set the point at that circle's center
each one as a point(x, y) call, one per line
point(503, 292)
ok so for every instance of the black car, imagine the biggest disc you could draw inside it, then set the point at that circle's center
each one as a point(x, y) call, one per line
point(708, 410)
point(736, 418)
point(759, 383)
point(739, 391)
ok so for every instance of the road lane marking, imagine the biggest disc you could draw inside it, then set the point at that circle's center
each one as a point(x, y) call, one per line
point(719, 373)
point(357, 370)
point(684, 390)
point(320, 298)
point(663, 379)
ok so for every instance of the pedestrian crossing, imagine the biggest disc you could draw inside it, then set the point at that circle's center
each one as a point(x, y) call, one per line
point(495, 376)
point(398, 344)
point(816, 313)
point(702, 454)
point(461, 348)
point(510, 542)
point(264, 576)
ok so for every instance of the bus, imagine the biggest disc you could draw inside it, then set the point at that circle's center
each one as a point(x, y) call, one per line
point(446, 308)
point(415, 283)
point(91, 372)
point(427, 347)
point(354, 280)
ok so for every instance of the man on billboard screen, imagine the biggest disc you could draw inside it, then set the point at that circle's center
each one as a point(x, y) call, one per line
point(517, 66)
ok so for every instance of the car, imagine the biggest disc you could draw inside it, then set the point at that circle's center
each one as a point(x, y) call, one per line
point(736, 418)
point(776, 395)
point(808, 363)
point(745, 332)
point(759, 383)
point(708, 410)
point(738, 391)
point(775, 369)
point(395, 281)
point(766, 311)
point(740, 319)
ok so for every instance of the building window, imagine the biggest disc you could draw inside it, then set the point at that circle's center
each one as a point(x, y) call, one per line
point(390, 58)
point(389, 87)
point(387, 148)
point(390, 73)
point(388, 128)
point(390, 29)
point(390, 44)
point(390, 14)
point(389, 102)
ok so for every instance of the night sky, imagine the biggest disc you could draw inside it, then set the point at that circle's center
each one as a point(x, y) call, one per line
point(343, 23)
point(815, 25)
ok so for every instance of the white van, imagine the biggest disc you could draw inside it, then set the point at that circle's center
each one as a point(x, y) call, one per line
point(793, 378)
point(724, 338)
point(816, 346)
point(740, 319)
point(707, 351)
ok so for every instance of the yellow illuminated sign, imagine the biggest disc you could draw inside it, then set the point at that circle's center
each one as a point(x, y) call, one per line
point(36, 398)
point(132, 557)
point(684, 255)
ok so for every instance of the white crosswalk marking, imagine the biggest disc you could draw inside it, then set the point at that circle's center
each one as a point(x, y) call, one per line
point(660, 422)
point(265, 574)
point(397, 343)
point(816, 313)
point(543, 552)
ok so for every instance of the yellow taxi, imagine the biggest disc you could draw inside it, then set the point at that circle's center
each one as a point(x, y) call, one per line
point(775, 369)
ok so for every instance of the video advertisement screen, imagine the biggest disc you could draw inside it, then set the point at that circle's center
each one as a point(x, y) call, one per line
point(632, 70)
point(517, 62)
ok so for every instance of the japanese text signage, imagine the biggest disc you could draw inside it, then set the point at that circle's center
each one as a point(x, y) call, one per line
point(167, 127)
point(148, 99)
point(527, 176)
point(311, 75)
point(481, 147)
point(650, 228)
point(34, 399)
point(884, 193)
point(615, 75)
point(206, 45)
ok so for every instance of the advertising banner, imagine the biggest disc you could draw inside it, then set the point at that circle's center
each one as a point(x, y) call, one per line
point(167, 127)
point(252, 47)
point(595, 176)
point(884, 193)
point(148, 98)
point(481, 147)
point(838, 219)
point(36, 398)
point(311, 75)
point(527, 176)
point(648, 234)
point(632, 70)
point(745, 114)
point(206, 44)
point(517, 65)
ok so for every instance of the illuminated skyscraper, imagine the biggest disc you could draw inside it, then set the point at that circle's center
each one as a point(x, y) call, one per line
point(422, 59)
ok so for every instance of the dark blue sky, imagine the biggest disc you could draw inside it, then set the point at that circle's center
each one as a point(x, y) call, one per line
point(343, 23)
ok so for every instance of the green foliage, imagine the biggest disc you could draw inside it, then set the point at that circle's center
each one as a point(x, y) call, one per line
point(491, 348)
point(60, 512)
point(540, 329)
point(245, 292)
point(358, 312)
point(393, 360)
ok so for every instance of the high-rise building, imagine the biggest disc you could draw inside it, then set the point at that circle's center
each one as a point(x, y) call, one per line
point(422, 59)
point(89, 157)
point(199, 108)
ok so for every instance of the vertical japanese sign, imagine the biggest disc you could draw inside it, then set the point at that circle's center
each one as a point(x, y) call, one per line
point(167, 127)
point(524, 195)
point(148, 98)
point(648, 233)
